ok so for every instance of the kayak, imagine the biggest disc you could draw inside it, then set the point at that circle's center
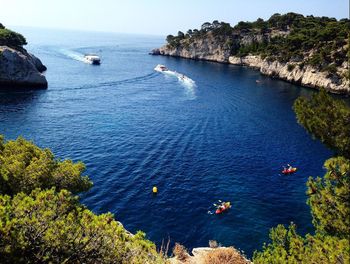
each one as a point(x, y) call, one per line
point(220, 210)
point(289, 171)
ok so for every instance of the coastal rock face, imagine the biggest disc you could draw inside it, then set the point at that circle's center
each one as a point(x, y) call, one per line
point(20, 69)
point(216, 47)
point(295, 73)
point(201, 49)
point(211, 50)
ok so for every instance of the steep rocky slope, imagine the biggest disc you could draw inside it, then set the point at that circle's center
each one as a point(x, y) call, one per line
point(309, 51)
point(20, 69)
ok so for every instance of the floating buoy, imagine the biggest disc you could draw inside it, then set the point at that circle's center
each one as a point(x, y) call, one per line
point(155, 189)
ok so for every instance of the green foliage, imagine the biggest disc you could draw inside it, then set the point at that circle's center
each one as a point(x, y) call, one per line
point(318, 41)
point(288, 247)
point(326, 37)
point(327, 119)
point(290, 67)
point(330, 199)
point(42, 222)
point(51, 227)
point(24, 167)
point(11, 38)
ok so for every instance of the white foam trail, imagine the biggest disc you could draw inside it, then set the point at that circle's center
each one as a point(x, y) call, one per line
point(74, 55)
point(185, 81)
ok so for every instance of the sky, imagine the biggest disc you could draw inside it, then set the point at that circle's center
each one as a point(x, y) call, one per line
point(155, 17)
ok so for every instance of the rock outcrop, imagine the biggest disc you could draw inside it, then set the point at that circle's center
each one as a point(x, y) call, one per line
point(305, 75)
point(202, 49)
point(297, 73)
point(20, 69)
point(278, 48)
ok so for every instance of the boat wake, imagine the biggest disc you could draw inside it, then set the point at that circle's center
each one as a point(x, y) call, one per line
point(73, 55)
point(112, 83)
point(181, 77)
point(185, 81)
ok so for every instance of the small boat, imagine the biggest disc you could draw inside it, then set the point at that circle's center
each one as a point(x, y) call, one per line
point(223, 207)
point(181, 77)
point(289, 171)
point(92, 59)
point(161, 68)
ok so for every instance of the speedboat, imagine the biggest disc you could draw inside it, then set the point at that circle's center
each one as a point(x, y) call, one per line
point(161, 68)
point(181, 77)
point(92, 59)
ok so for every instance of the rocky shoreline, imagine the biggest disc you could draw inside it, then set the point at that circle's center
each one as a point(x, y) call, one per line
point(294, 72)
point(20, 69)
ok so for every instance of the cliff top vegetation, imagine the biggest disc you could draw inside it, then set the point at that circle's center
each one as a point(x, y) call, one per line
point(318, 41)
point(11, 38)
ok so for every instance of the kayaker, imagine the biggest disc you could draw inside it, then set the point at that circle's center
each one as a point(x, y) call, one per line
point(289, 167)
point(222, 206)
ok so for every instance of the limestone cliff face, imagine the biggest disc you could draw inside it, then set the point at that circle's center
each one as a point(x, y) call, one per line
point(208, 48)
point(215, 48)
point(20, 69)
point(296, 73)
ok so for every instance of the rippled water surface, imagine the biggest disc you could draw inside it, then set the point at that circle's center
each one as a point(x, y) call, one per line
point(224, 138)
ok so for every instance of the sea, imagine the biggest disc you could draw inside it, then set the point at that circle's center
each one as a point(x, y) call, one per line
point(224, 137)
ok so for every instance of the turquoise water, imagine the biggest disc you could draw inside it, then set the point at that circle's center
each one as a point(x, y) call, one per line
point(224, 138)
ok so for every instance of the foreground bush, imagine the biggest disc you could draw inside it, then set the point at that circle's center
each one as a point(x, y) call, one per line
point(51, 227)
point(24, 167)
point(329, 197)
point(42, 222)
point(326, 119)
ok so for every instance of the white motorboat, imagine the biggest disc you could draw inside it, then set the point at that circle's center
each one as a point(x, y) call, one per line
point(181, 77)
point(93, 59)
point(161, 68)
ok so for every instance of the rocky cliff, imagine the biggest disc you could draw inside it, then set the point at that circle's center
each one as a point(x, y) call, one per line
point(310, 51)
point(20, 69)
point(298, 73)
point(209, 48)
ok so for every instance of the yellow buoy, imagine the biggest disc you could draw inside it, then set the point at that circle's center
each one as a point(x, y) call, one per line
point(155, 189)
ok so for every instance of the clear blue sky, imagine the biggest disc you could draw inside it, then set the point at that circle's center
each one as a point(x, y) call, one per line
point(154, 16)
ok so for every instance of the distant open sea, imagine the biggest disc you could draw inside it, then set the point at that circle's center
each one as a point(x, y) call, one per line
point(224, 138)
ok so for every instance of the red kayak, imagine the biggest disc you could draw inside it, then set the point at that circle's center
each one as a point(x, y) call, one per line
point(289, 171)
point(223, 208)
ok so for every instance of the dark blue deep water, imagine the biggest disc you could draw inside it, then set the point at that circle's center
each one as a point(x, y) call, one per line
point(226, 138)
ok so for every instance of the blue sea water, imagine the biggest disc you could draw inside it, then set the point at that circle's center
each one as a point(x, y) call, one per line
point(224, 138)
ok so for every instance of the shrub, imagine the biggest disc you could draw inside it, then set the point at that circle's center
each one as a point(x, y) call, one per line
point(326, 119)
point(11, 38)
point(213, 244)
point(290, 67)
point(42, 222)
point(224, 255)
point(24, 167)
point(51, 227)
point(180, 252)
point(331, 69)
